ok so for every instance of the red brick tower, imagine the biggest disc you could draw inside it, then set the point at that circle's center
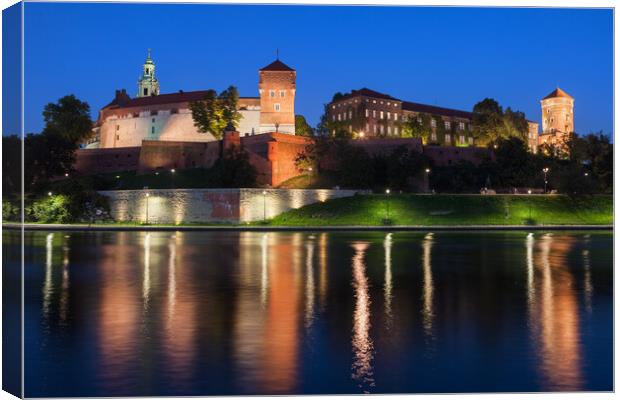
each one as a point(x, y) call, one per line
point(276, 86)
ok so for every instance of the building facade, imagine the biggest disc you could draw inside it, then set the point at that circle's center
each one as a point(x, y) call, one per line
point(367, 113)
point(126, 121)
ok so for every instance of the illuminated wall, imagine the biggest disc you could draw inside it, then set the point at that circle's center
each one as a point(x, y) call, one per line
point(175, 206)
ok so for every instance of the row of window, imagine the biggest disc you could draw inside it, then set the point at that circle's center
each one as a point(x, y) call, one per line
point(392, 116)
point(343, 104)
point(272, 93)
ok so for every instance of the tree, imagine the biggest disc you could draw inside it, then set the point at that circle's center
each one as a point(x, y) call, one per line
point(215, 112)
point(491, 123)
point(234, 169)
point(418, 127)
point(302, 128)
point(69, 118)
point(11, 165)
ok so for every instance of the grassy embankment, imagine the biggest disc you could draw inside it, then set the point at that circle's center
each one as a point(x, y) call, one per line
point(452, 210)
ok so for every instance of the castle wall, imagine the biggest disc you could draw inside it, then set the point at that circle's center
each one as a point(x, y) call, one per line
point(174, 206)
point(101, 161)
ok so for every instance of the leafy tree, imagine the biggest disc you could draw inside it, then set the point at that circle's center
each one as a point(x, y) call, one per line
point(46, 155)
point(69, 118)
point(491, 123)
point(234, 169)
point(302, 128)
point(215, 112)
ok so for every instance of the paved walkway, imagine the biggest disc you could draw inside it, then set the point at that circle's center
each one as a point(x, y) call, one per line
point(86, 227)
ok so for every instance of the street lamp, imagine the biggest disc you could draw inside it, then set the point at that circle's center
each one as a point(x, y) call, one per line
point(172, 171)
point(428, 184)
point(529, 203)
point(545, 170)
point(264, 205)
point(585, 174)
point(66, 174)
point(49, 194)
point(387, 203)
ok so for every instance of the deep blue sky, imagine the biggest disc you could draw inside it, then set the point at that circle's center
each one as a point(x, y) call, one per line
point(451, 57)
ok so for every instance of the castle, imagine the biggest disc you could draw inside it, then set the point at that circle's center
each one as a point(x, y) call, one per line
point(127, 122)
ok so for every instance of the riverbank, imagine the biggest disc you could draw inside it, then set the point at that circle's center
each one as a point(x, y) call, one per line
point(407, 212)
point(523, 211)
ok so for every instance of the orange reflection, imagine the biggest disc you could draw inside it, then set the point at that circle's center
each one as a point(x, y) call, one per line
point(118, 312)
point(309, 316)
point(180, 317)
point(323, 268)
point(554, 315)
point(282, 320)
point(361, 341)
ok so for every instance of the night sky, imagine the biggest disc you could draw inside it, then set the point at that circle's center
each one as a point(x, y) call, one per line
point(451, 57)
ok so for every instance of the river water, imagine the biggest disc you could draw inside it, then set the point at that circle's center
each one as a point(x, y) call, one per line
point(208, 313)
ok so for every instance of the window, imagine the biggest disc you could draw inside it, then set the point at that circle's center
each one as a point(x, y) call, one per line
point(118, 137)
point(276, 106)
point(350, 114)
point(388, 115)
point(433, 137)
point(395, 117)
point(145, 92)
point(333, 117)
point(447, 138)
point(433, 123)
point(461, 126)
point(153, 120)
point(462, 139)
point(396, 130)
point(389, 130)
point(446, 124)
point(174, 111)
point(339, 117)
point(366, 113)
point(381, 129)
point(153, 113)
point(272, 93)
point(381, 115)
point(281, 93)
point(118, 127)
point(374, 128)
point(367, 128)
point(152, 129)
point(374, 113)
point(471, 140)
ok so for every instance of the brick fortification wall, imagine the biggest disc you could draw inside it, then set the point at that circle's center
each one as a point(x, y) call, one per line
point(174, 206)
point(272, 154)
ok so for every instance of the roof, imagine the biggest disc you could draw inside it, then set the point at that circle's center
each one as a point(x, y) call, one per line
point(368, 93)
point(428, 109)
point(168, 98)
point(277, 65)
point(557, 93)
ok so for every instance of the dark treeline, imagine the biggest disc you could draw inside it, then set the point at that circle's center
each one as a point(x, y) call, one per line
point(584, 167)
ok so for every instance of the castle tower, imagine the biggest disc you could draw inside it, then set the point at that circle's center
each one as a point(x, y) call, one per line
point(557, 113)
point(147, 83)
point(276, 85)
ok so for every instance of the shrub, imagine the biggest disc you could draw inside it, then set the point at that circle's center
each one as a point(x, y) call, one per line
point(10, 212)
point(50, 209)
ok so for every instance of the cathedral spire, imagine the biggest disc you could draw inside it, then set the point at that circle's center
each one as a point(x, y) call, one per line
point(147, 83)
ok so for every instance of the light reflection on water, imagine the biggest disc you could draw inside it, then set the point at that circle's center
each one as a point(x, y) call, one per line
point(273, 313)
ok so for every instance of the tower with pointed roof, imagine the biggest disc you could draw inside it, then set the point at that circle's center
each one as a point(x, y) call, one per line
point(147, 83)
point(276, 86)
point(557, 112)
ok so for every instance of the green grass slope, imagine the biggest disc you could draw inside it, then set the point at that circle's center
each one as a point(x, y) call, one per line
point(408, 209)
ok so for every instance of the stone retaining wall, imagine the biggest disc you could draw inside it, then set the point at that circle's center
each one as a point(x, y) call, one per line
point(175, 206)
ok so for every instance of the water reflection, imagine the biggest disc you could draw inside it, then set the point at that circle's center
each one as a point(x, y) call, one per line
point(279, 313)
point(427, 293)
point(554, 315)
point(387, 285)
point(362, 343)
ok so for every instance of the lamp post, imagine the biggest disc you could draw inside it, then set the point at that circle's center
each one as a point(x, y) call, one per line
point(387, 203)
point(264, 205)
point(49, 194)
point(172, 171)
point(529, 203)
point(545, 170)
point(147, 208)
point(427, 171)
